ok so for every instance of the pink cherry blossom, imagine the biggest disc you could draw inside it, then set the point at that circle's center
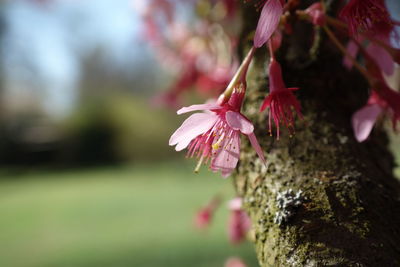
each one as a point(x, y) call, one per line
point(366, 15)
point(364, 119)
point(316, 13)
point(215, 134)
point(376, 52)
point(268, 21)
point(384, 100)
point(188, 52)
point(203, 218)
point(281, 102)
point(381, 57)
point(239, 223)
point(204, 215)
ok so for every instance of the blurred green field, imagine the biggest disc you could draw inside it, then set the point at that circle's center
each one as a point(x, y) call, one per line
point(113, 216)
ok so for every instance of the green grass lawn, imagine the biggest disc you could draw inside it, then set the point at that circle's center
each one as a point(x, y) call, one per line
point(114, 216)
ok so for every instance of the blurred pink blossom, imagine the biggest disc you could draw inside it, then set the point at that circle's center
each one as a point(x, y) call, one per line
point(204, 215)
point(239, 223)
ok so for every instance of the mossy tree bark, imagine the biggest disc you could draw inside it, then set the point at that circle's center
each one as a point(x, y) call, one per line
point(323, 199)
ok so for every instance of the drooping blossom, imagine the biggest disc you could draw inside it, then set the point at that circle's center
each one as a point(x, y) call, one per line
point(369, 21)
point(215, 134)
point(392, 99)
point(268, 22)
point(394, 52)
point(375, 51)
point(366, 15)
point(282, 104)
point(384, 100)
point(204, 216)
point(191, 53)
point(239, 222)
point(364, 119)
point(316, 13)
point(381, 57)
point(234, 262)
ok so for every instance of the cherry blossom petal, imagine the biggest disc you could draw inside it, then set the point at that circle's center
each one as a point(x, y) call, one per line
point(268, 22)
point(193, 126)
point(191, 108)
point(237, 121)
point(381, 57)
point(226, 155)
point(238, 225)
point(363, 121)
point(256, 146)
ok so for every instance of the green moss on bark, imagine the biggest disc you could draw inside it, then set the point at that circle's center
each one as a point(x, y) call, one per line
point(351, 214)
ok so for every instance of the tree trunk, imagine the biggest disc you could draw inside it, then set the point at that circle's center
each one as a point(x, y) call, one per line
point(323, 199)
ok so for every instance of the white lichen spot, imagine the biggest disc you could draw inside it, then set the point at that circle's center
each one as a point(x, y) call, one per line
point(287, 202)
point(250, 200)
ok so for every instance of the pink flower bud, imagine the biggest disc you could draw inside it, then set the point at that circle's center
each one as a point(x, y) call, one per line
point(366, 15)
point(204, 216)
point(317, 14)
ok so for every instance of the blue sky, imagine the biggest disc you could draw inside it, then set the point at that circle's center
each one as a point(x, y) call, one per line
point(43, 44)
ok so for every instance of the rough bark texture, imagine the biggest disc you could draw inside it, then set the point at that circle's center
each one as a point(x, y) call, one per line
point(348, 211)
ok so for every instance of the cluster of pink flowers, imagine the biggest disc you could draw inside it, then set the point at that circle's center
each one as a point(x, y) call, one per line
point(200, 56)
point(370, 28)
point(239, 222)
point(213, 135)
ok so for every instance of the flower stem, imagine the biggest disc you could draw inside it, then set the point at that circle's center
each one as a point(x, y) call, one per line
point(239, 76)
point(271, 50)
point(336, 22)
point(360, 68)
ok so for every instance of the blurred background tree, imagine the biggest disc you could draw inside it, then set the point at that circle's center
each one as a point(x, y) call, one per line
point(86, 174)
